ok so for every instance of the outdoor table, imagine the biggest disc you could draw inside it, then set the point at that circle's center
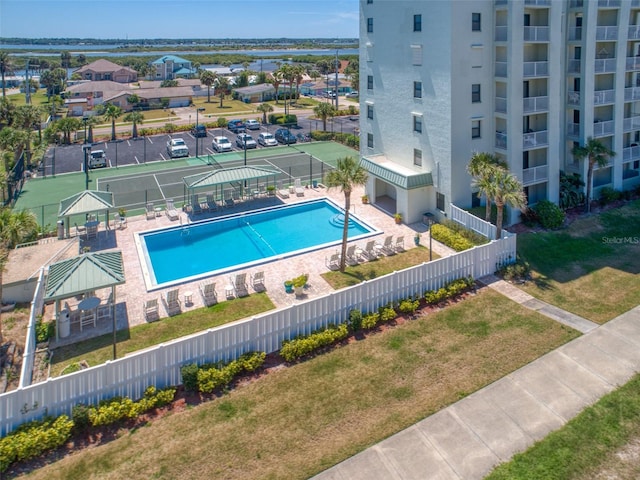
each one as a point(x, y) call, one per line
point(158, 211)
point(228, 290)
point(88, 312)
point(89, 303)
point(188, 297)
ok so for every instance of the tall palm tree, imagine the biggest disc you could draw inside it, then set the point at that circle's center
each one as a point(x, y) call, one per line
point(481, 169)
point(287, 75)
point(264, 108)
point(596, 153)
point(324, 111)
point(92, 121)
point(6, 66)
point(208, 78)
point(223, 86)
point(135, 118)
point(276, 80)
point(112, 112)
point(7, 112)
point(28, 117)
point(348, 174)
point(507, 190)
point(66, 126)
point(298, 76)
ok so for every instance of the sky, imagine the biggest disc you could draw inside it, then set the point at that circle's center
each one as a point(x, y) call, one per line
point(135, 19)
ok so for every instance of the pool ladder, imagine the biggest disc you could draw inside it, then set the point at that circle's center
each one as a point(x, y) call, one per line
point(184, 226)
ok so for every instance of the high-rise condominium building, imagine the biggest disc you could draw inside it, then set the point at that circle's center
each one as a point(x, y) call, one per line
point(525, 80)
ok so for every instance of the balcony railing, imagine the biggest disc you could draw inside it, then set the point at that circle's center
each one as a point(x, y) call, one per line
point(633, 33)
point(574, 66)
point(631, 123)
point(537, 3)
point(606, 33)
point(501, 140)
point(575, 33)
point(633, 63)
point(501, 104)
point(573, 130)
point(629, 154)
point(535, 104)
point(573, 98)
point(535, 175)
point(635, 3)
point(608, 3)
point(501, 69)
point(536, 69)
point(632, 93)
point(605, 65)
point(603, 128)
point(535, 139)
point(536, 34)
point(602, 97)
point(501, 33)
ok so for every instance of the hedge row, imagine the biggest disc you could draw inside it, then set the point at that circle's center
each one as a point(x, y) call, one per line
point(303, 345)
point(450, 290)
point(450, 238)
point(210, 377)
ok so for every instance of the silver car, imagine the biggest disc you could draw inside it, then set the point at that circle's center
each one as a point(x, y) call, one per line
point(267, 139)
point(221, 144)
point(244, 140)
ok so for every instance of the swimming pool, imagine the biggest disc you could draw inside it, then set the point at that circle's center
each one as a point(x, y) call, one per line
point(184, 253)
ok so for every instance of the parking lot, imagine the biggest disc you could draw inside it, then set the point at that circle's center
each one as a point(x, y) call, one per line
point(70, 158)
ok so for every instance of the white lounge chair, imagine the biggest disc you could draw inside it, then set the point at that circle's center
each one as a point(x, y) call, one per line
point(369, 251)
point(209, 295)
point(299, 189)
point(282, 192)
point(151, 312)
point(333, 262)
point(239, 283)
point(172, 302)
point(351, 257)
point(257, 281)
point(211, 202)
point(399, 247)
point(387, 247)
point(196, 208)
point(171, 211)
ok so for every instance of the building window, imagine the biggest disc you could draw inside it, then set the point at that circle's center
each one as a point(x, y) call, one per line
point(370, 140)
point(475, 129)
point(370, 112)
point(440, 201)
point(417, 157)
point(417, 123)
point(417, 89)
point(417, 23)
point(369, 25)
point(369, 82)
point(475, 22)
point(475, 93)
point(369, 2)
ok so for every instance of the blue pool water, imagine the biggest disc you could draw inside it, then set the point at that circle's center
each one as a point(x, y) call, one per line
point(210, 247)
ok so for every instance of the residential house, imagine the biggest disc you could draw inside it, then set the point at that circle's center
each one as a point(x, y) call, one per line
point(171, 67)
point(255, 93)
point(84, 96)
point(106, 70)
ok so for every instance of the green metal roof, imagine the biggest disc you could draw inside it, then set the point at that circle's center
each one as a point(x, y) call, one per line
point(86, 272)
point(87, 201)
point(407, 182)
point(228, 175)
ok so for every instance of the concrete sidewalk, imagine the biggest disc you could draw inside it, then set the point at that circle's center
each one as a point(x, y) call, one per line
point(469, 438)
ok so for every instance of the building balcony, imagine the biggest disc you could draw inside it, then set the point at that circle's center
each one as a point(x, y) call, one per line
point(574, 66)
point(535, 104)
point(603, 97)
point(573, 98)
point(606, 33)
point(635, 3)
point(575, 33)
point(604, 65)
point(536, 69)
point(632, 93)
point(501, 69)
point(631, 153)
point(608, 3)
point(500, 2)
point(631, 123)
point(537, 3)
point(501, 140)
point(536, 34)
point(633, 33)
point(633, 64)
point(603, 128)
point(501, 104)
point(535, 139)
point(576, 3)
point(501, 33)
point(573, 130)
point(535, 175)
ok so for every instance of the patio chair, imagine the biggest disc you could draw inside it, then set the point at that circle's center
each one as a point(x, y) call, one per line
point(257, 281)
point(299, 189)
point(399, 247)
point(387, 247)
point(239, 283)
point(171, 211)
point(211, 202)
point(150, 212)
point(333, 262)
point(81, 230)
point(209, 295)
point(229, 202)
point(104, 310)
point(282, 192)
point(369, 251)
point(172, 302)
point(351, 257)
point(119, 221)
point(151, 312)
point(196, 209)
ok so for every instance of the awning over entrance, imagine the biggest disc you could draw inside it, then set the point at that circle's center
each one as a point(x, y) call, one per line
point(395, 174)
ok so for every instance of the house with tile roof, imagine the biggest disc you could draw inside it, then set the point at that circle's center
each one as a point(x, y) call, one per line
point(105, 70)
point(170, 67)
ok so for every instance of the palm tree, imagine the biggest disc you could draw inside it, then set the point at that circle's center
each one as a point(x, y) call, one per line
point(92, 121)
point(276, 80)
point(28, 117)
point(7, 112)
point(6, 66)
point(507, 190)
point(596, 153)
point(223, 86)
point(298, 76)
point(208, 78)
point(323, 111)
point(66, 126)
point(348, 174)
point(264, 108)
point(112, 112)
point(135, 118)
point(481, 169)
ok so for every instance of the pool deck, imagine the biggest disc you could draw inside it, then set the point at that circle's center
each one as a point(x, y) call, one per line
point(131, 296)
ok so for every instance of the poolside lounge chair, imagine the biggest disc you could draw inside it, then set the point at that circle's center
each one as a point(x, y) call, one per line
point(299, 188)
point(150, 212)
point(171, 211)
point(209, 295)
point(257, 281)
point(211, 202)
point(229, 202)
point(239, 283)
point(282, 192)
point(369, 252)
point(196, 209)
point(351, 257)
point(387, 247)
point(150, 309)
point(172, 302)
point(399, 247)
point(333, 262)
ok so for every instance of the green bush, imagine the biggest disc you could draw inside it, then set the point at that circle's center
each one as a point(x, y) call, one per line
point(409, 306)
point(282, 119)
point(80, 416)
point(549, 214)
point(33, 439)
point(387, 313)
point(355, 320)
point(608, 195)
point(119, 408)
point(450, 290)
point(450, 238)
point(190, 377)
point(251, 361)
point(45, 330)
point(211, 377)
point(300, 346)
point(473, 237)
point(370, 320)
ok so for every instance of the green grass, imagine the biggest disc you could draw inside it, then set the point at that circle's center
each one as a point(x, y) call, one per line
point(376, 268)
point(578, 449)
point(100, 349)
point(583, 269)
point(297, 421)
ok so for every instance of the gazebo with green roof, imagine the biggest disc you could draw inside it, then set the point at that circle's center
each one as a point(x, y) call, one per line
point(234, 175)
point(83, 203)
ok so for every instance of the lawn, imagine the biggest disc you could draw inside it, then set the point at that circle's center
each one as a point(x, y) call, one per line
point(297, 421)
point(590, 268)
point(100, 349)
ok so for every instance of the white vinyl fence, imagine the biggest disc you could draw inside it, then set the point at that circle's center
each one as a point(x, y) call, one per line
point(160, 365)
point(474, 223)
point(28, 357)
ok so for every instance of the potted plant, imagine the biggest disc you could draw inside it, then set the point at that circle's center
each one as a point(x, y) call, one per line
point(416, 239)
point(271, 190)
point(288, 286)
point(122, 212)
point(365, 198)
point(398, 218)
point(299, 283)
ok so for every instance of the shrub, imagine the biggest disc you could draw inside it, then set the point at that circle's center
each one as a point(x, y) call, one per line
point(608, 195)
point(449, 290)
point(44, 330)
point(370, 320)
point(473, 237)
point(282, 119)
point(190, 377)
point(216, 376)
point(529, 217)
point(450, 238)
point(549, 214)
point(387, 313)
point(80, 416)
point(355, 320)
point(119, 408)
point(409, 306)
point(251, 361)
point(300, 346)
point(518, 271)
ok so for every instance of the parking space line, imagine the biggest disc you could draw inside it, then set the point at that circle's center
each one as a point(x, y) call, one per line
point(128, 142)
point(150, 141)
point(136, 159)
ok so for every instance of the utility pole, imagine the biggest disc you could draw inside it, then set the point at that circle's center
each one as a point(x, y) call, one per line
point(337, 67)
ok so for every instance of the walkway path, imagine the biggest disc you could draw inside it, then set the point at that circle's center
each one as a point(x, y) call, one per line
point(469, 438)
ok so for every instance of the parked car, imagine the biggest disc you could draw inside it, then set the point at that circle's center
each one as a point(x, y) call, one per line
point(244, 140)
point(176, 147)
point(199, 131)
point(221, 144)
point(97, 159)
point(236, 126)
point(285, 137)
point(267, 139)
point(252, 124)
point(353, 93)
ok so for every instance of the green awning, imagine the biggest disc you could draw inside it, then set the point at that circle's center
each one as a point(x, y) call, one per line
point(228, 175)
point(88, 201)
point(404, 180)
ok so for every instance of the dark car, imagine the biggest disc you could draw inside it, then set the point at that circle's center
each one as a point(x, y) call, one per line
point(285, 136)
point(199, 131)
point(236, 126)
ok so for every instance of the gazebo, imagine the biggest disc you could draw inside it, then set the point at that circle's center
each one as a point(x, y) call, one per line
point(83, 203)
point(82, 275)
point(234, 175)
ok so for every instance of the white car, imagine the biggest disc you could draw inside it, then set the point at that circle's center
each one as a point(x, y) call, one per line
point(221, 144)
point(267, 140)
point(97, 159)
point(245, 141)
point(352, 94)
point(252, 124)
point(176, 147)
